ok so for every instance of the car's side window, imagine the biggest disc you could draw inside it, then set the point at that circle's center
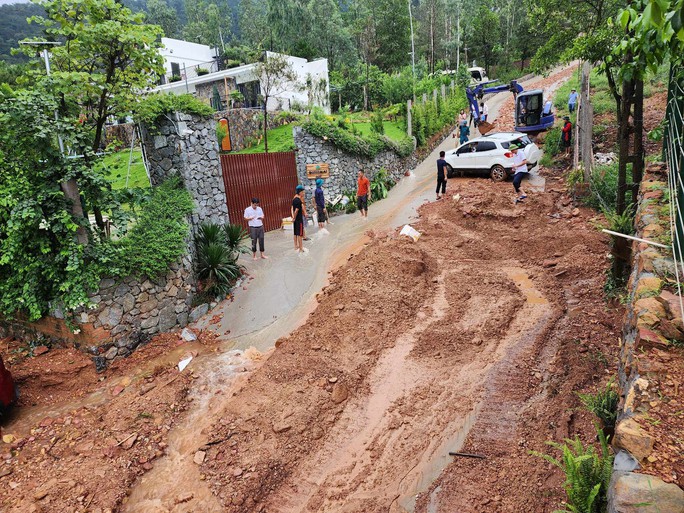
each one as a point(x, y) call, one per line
point(486, 146)
point(467, 148)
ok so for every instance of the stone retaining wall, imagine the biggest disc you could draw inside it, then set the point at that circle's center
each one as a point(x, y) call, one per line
point(344, 166)
point(186, 145)
point(653, 319)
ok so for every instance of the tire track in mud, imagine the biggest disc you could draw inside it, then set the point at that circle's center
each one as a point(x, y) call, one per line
point(379, 455)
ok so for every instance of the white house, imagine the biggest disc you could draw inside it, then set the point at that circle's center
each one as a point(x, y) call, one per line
point(184, 57)
point(191, 68)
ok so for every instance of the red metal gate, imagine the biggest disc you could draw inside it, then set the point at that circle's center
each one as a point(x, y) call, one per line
point(271, 177)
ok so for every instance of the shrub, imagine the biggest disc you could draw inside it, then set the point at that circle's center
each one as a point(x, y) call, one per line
point(154, 106)
point(587, 474)
point(218, 248)
point(378, 185)
point(377, 122)
point(603, 404)
point(158, 239)
point(175, 78)
point(236, 236)
point(202, 71)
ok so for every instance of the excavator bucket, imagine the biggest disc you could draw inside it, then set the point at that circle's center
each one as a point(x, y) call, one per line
point(485, 127)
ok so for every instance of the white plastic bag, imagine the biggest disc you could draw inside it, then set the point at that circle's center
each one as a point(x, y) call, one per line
point(409, 231)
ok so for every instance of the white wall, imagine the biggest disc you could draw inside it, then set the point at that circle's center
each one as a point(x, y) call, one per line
point(184, 52)
point(298, 93)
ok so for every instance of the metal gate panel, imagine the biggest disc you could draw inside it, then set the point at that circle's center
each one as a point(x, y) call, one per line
point(271, 177)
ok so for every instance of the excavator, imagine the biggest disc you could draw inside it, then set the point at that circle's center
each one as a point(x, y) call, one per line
point(529, 106)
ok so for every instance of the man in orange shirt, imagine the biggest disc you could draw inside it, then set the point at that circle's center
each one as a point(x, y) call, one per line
point(362, 193)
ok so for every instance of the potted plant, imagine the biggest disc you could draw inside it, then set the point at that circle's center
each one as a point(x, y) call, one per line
point(175, 78)
point(202, 71)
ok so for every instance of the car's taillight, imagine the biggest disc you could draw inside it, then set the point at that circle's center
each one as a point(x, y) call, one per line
point(508, 155)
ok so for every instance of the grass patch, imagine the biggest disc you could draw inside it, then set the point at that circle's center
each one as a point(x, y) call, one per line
point(279, 139)
point(393, 129)
point(116, 168)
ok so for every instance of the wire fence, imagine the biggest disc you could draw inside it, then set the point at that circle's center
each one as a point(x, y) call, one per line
point(673, 150)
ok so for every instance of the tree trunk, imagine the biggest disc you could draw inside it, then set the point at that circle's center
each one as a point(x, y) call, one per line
point(70, 190)
point(624, 130)
point(638, 154)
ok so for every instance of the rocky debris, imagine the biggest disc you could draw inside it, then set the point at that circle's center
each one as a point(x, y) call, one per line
point(184, 497)
point(630, 436)
point(37, 351)
point(198, 312)
point(199, 457)
point(641, 493)
point(188, 335)
point(340, 392)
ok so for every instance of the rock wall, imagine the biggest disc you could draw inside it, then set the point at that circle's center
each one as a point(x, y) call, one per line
point(343, 166)
point(246, 125)
point(186, 145)
point(653, 320)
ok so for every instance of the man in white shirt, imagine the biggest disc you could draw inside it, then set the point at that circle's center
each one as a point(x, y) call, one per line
point(484, 111)
point(255, 218)
point(519, 170)
point(547, 108)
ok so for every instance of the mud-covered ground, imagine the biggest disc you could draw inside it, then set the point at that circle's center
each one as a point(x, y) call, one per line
point(482, 331)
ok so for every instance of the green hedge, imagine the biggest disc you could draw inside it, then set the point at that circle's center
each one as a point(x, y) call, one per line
point(154, 106)
point(345, 139)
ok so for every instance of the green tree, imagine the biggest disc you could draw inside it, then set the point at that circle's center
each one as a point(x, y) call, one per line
point(275, 75)
point(159, 13)
point(108, 58)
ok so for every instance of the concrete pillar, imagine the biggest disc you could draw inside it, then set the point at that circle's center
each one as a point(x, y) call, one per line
point(434, 95)
point(443, 92)
point(424, 97)
point(409, 129)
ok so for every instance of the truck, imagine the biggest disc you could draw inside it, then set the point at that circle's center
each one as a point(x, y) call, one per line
point(529, 106)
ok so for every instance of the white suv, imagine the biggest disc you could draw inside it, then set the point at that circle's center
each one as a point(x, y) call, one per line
point(489, 155)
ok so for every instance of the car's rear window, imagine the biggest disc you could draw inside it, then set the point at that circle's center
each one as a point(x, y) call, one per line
point(522, 142)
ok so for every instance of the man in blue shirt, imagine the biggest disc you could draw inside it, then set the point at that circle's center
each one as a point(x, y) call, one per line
point(319, 200)
point(441, 174)
point(572, 101)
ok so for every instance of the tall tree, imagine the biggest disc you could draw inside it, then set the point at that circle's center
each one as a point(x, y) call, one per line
point(159, 13)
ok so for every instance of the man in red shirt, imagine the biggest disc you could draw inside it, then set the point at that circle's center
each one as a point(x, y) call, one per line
point(362, 193)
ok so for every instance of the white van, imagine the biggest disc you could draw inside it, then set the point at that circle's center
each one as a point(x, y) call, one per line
point(477, 75)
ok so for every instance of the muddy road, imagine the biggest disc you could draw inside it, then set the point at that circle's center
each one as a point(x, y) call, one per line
point(475, 338)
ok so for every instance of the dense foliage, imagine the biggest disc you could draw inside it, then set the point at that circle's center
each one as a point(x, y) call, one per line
point(158, 238)
point(218, 248)
point(154, 106)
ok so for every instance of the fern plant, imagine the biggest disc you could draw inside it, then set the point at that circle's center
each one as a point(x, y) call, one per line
point(587, 474)
point(603, 404)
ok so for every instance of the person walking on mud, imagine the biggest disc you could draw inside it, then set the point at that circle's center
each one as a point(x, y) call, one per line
point(441, 175)
point(362, 193)
point(566, 135)
point(319, 203)
point(255, 219)
point(520, 170)
point(297, 211)
point(463, 133)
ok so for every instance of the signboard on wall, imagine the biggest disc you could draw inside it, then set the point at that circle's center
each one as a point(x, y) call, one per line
point(320, 170)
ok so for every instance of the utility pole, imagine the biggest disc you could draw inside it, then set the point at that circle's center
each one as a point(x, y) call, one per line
point(458, 37)
point(413, 51)
point(46, 57)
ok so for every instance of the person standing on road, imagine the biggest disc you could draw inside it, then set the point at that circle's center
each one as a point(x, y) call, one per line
point(441, 175)
point(572, 101)
point(566, 134)
point(255, 219)
point(548, 106)
point(362, 193)
point(463, 133)
point(463, 117)
point(519, 170)
point(484, 111)
point(319, 203)
point(297, 211)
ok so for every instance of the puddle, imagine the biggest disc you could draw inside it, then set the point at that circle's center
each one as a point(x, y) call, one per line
point(523, 282)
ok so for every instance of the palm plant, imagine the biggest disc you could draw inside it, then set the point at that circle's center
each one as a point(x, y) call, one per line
point(209, 233)
point(236, 236)
point(217, 267)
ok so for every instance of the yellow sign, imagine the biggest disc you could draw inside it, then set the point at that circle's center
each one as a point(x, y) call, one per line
point(320, 170)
